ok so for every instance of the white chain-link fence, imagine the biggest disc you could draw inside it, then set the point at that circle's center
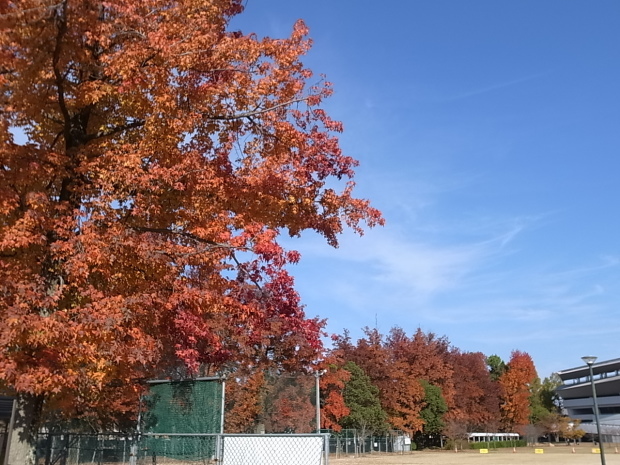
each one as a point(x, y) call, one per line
point(181, 449)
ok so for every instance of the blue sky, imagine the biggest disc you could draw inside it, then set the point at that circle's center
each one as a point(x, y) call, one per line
point(488, 134)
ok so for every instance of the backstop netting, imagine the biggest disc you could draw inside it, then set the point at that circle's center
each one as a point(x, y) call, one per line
point(177, 411)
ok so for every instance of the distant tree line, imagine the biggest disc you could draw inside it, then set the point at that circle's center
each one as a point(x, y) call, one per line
point(419, 384)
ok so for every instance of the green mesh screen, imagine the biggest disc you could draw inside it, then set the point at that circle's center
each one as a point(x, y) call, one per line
point(193, 406)
point(182, 407)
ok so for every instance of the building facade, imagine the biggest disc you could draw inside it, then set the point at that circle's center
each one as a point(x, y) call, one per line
point(577, 401)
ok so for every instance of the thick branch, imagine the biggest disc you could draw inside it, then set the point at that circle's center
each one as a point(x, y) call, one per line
point(183, 234)
point(115, 130)
point(62, 29)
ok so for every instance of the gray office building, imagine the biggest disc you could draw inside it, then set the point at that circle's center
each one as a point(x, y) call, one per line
point(577, 401)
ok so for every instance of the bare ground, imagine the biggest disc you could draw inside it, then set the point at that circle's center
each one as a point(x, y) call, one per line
point(558, 455)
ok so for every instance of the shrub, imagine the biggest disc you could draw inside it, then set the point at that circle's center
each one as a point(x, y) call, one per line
point(497, 444)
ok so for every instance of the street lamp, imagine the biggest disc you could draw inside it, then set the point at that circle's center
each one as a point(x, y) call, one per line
point(590, 361)
point(317, 375)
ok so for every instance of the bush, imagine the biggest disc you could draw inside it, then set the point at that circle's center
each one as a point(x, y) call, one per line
point(414, 446)
point(450, 444)
point(497, 444)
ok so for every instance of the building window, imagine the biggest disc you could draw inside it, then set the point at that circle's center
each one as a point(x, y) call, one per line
point(609, 410)
point(583, 411)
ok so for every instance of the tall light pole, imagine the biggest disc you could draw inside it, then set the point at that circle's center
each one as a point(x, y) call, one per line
point(590, 361)
point(317, 375)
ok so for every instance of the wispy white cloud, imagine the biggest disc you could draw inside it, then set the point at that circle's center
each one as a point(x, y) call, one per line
point(494, 87)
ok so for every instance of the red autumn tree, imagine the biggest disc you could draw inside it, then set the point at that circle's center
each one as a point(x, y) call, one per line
point(243, 402)
point(287, 404)
point(515, 390)
point(332, 383)
point(400, 392)
point(426, 356)
point(477, 401)
point(158, 157)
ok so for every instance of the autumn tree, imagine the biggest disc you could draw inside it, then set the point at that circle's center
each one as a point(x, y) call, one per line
point(396, 364)
point(332, 383)
point(287, 403)
point(557, 425)
point(515, 385)
point(477, 401)
point(149, 160)
point(573, 432)
point(401, 393)
point(244, 393)
point(427, 357)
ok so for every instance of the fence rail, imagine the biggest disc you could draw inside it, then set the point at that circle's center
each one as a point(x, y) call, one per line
point(181, 449)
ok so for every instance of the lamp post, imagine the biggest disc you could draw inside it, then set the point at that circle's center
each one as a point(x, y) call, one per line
point(590, 361)
point(318, 375)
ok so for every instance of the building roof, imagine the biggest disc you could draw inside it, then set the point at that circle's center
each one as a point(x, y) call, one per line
point(606, 366)
point(604, 387)
point(577, 380)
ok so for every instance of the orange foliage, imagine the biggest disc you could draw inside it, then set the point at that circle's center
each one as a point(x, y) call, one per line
point(396, 364)
point(515, 390)
point(332, 383)
point(139, 222)
point(243, 402)
point(289, 407)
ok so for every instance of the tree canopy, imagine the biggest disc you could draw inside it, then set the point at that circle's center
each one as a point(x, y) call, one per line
point(434, 409)
point(515, 385)
point(149, 160)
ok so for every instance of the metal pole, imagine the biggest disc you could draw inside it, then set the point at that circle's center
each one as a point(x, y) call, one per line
point(590, 361)
point(219, 439)
point(317, 375)
point(9, 436)
point(223, 406)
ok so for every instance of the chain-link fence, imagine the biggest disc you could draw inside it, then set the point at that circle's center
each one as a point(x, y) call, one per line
point(181, 449)
point(70, 448)
point(275, 449)
point(347, 443)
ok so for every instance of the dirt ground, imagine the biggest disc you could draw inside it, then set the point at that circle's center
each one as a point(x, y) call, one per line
point(557, 455)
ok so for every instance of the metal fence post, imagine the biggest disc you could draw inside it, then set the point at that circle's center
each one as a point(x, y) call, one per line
point(326, 448)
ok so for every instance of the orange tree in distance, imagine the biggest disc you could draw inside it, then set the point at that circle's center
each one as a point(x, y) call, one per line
point(162, 156)
point(515, 390)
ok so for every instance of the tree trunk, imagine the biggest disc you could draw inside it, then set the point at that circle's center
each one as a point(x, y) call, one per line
point(23, 434)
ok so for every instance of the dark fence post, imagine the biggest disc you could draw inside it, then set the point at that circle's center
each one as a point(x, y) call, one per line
point(65, 450)
point(48, 449)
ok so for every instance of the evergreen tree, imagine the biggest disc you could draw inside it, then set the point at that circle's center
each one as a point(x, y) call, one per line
point(362, 399)
point(432, 413)
point(497, 367)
